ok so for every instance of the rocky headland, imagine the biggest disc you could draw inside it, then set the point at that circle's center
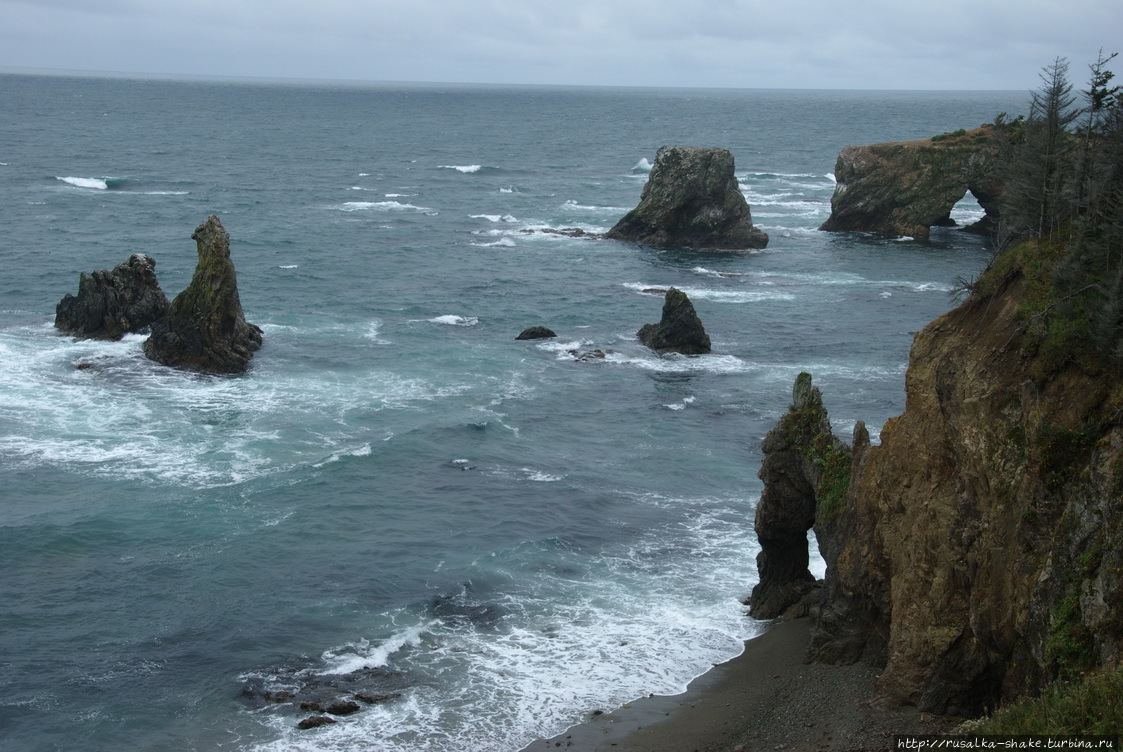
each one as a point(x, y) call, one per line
point(114, 302)
point(976, 555)
point(691, 200)
point(908, 187)
point(205, 329)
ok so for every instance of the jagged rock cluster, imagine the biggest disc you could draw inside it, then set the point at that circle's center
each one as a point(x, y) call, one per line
point(691, 200)
point(202, 330)
point(908, 187)
point(113, 303)
point(679, 330)
point(205, 329)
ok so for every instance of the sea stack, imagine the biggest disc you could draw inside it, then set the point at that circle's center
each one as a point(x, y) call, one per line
point(113, 303)
point(691, 200)
point(205, 329)
point(806, 471)
point(679, 330)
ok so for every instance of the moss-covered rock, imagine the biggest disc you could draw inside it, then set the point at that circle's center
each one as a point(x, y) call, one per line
point(806, 474)
point(908, 187)
point(205, 329)
point(691, 200)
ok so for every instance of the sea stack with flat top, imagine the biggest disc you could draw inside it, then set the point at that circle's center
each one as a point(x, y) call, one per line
point(691, 200)
point(205, 329)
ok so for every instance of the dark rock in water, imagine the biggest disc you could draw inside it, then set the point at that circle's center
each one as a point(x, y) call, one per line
point(691, 200)
point(343, 707)
point(569, 232)
point(376, 699)
point(588, 356)
point(315, 721)
point(277, 696)
point(680, 329)
point(205, 329)
point(113, 303)
point(536, 332)
point(801, 458)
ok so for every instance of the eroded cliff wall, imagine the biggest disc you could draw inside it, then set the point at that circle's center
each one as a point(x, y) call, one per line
point(979, 553)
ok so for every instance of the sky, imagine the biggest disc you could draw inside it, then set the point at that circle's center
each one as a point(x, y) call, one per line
point(804, 44)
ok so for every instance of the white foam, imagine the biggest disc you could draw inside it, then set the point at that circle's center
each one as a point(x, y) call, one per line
point(645, 617)
point(501, 243)
point(387, 206)
point(509, 189)
point(288, 266)
point(360, 451)
point(98, 184)
point(357, 656)
point(373, 333)
point(572, 205)
point(467, 169)
point(642, 166)
point(451, 319)
point(494, 217)
point(719, 296)
point(122, 416)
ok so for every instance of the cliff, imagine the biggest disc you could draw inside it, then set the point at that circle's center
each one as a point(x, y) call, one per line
point(978, 552)
point(905, 188)
point(691, 200)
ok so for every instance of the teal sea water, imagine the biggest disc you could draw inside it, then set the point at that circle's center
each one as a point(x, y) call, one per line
point(399, 498)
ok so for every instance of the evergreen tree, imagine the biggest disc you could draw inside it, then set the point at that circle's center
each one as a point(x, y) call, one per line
point(1038, 189)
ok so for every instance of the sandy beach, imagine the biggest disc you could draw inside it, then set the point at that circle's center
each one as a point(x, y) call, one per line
point(765, 699)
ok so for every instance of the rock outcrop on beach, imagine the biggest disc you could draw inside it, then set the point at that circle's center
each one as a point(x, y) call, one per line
point(805, 468)
point(679, 330)
point(908, 187)
point(112, 303)
point(205, 329)
point(691, 200)
point(977, 553)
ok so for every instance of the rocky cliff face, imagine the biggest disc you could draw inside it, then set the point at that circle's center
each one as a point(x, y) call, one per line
point(905, 188)
point(113, 303)
point(205, 329)
point(691, 200)
point(979, 551)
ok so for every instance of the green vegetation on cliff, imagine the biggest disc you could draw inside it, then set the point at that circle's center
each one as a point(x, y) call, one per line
point(1092, 705)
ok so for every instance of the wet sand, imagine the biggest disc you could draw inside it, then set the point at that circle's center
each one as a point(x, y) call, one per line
point(765, 699)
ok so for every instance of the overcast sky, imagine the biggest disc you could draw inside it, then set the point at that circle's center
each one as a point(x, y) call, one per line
point(862, 44)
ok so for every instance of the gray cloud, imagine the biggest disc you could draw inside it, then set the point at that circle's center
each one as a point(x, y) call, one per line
point(947, 44)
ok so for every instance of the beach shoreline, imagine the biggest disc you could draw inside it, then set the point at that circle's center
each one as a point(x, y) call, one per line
point(767, 698)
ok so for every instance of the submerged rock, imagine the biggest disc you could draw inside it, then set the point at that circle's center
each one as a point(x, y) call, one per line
point(691, 200)
point(906, 188)
point(315, 721)
point(536, 332)
point(679, 330)
point(113, 303)
point(205, 329)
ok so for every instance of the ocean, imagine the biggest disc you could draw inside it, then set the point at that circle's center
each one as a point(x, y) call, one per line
point(492, 538)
